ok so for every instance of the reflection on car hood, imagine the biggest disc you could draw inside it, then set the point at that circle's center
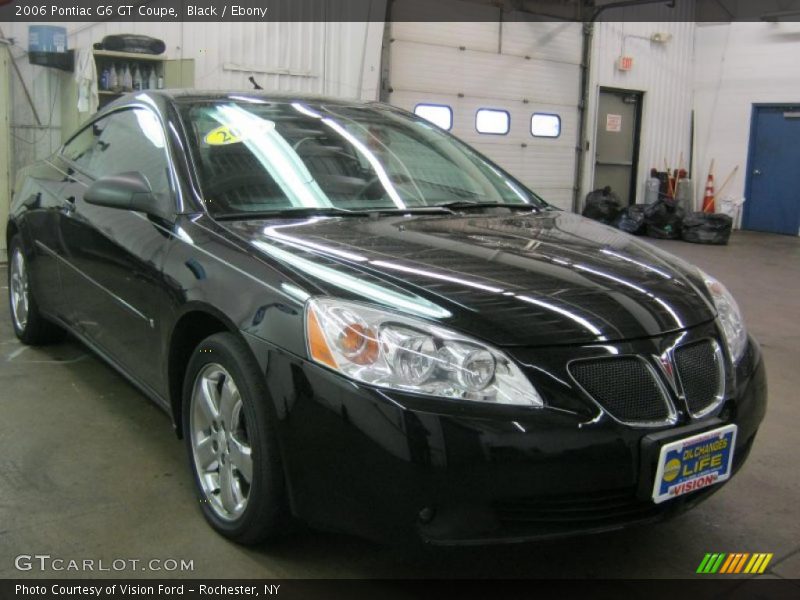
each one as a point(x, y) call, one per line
point(510, 278)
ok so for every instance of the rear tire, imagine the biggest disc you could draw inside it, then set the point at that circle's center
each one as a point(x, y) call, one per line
point(30, 326)
point(229, 433)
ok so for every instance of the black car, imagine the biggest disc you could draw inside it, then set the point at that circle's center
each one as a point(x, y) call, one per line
point(355, 319)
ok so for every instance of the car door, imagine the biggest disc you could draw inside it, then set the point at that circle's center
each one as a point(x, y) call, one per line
point(114, 284)
point(40, 203)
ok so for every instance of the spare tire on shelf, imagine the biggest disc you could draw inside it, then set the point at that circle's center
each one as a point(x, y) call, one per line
point(705, 228)
point(133, 43)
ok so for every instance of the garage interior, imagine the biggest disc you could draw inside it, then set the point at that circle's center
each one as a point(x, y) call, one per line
point(92, 468)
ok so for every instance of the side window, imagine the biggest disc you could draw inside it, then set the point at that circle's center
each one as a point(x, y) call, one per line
point(79, 149)
point(131, 140)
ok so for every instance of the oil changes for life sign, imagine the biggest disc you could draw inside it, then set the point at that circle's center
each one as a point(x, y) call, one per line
point(694, 463)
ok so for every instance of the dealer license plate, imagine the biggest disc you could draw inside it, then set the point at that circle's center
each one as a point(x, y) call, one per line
point(694, 463)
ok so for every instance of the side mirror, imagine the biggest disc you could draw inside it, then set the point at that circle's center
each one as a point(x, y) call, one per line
point(128, 191)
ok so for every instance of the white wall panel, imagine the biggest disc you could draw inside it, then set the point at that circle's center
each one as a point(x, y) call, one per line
point(664, 72)
point(482, 74)
point(738, 65)
point(482, 36)
point(479, 28)
point(546, 41)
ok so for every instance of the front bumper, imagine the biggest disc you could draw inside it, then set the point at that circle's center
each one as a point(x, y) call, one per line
point(396, 467)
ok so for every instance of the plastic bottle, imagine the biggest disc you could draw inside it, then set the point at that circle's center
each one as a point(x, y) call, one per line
point(151, 81)
point(137, 78)
point(113, 78)
point(160, 83)
point(104, 77)
point(127, 79)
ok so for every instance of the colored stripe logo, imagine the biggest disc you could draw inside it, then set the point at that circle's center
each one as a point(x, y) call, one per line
point(733, 563)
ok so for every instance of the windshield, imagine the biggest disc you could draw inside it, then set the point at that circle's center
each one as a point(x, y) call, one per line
point(264, 156)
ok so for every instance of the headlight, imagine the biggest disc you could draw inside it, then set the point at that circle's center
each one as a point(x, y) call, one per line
point(391, 351)
point(729, 316)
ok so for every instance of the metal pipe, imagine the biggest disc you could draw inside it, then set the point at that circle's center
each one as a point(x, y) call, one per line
point(629, 3)
point(384, 85)
point(583, 117)
point(583, 108)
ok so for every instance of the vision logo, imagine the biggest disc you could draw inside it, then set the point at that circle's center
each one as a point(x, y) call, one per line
point(729, 564)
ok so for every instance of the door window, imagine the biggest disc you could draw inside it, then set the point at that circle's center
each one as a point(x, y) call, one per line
point(438, 114)
point(79, 149)
point(545, 125)
point(492, 121)
point(131, 140)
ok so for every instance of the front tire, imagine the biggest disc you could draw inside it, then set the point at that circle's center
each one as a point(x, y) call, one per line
point(30, 326)
point(229, 435)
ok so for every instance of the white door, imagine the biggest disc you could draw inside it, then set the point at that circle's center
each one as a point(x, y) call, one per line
point(495, 76)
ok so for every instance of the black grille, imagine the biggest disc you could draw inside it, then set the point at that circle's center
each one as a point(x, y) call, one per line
point(584, 510)
point(592, 511)
point(700, 371)
point(623, 386)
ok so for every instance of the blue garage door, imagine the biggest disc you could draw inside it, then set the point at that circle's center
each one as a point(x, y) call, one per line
point(773, 197)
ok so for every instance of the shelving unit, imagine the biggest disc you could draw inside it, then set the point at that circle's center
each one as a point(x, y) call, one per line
point(145, 62)
point(173, 73)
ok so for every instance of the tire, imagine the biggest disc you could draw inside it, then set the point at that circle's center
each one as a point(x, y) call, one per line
point(219, 434)
point(30, 326)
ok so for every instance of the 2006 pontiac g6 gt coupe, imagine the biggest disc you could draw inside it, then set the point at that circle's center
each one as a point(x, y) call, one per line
point(355, 319)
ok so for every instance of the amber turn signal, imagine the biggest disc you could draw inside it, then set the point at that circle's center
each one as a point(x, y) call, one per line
point(317, 345)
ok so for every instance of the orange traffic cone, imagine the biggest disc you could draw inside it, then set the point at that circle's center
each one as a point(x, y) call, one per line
point(708, 198)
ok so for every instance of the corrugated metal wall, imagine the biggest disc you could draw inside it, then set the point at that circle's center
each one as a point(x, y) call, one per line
point(331, 58)
point(664, 72)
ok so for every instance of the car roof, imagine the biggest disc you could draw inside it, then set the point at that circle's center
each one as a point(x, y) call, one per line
point(161, 99)
point(192, 95)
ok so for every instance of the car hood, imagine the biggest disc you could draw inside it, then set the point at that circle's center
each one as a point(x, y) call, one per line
point(514, 279)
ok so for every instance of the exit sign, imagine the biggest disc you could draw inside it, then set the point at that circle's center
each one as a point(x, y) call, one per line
point(625, 63)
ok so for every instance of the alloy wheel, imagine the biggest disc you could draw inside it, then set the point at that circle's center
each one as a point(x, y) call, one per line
point(220, 443)
point(20, 296)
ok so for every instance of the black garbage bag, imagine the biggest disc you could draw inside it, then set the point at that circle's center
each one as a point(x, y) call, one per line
point(704, 228)
point(602, 205)
point(631, 220)
point(663, 220)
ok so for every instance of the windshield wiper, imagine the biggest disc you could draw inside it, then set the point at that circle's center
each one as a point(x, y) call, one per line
point(332, 211)
point(309, 211)
point(470, 205)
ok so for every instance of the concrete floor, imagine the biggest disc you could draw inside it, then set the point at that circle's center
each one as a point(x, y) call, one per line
point(90, 469)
